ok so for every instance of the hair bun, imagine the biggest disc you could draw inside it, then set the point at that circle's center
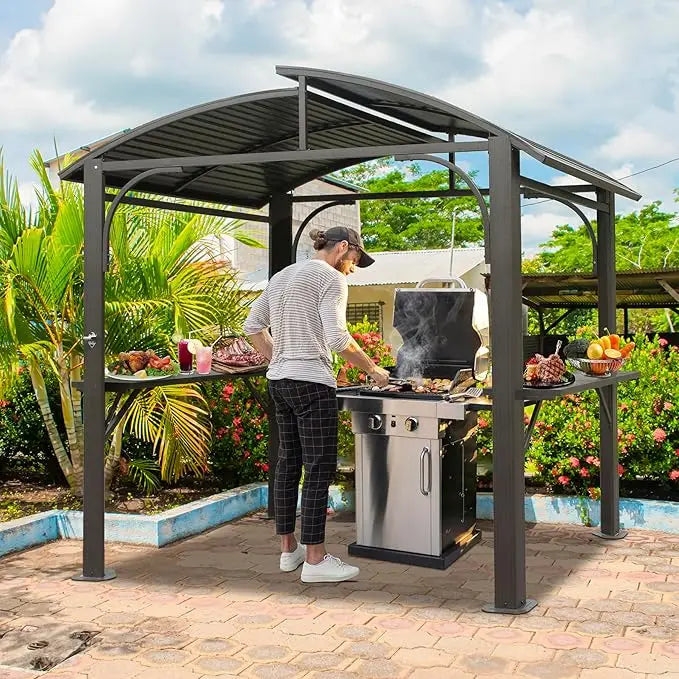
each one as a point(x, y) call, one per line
point(319, 238)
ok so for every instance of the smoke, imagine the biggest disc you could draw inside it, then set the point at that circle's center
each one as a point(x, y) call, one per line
point(413, 320)
point(434, 326)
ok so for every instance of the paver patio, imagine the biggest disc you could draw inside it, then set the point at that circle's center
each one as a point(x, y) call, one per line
point(217, 605)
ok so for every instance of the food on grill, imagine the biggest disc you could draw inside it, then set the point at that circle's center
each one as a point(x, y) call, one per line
point(548, 369)
point(418, 386)
point(237, 353)
point(143, 364)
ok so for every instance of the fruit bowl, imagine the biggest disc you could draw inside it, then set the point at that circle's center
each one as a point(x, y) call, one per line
point(599, 367)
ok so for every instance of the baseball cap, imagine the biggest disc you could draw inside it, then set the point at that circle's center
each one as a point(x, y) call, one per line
point(340, 233)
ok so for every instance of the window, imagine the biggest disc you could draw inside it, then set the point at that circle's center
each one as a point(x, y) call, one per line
point(370, 310)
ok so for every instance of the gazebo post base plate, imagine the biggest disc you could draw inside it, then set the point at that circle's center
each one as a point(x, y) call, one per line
point(528, 606)
point(605, 536)
point(109, 574)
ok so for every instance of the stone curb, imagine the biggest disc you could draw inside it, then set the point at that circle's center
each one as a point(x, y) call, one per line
point(196, 517)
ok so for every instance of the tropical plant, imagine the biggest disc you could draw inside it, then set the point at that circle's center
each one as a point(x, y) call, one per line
point(162, 280)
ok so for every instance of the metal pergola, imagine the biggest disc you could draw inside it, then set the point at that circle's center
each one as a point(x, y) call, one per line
point(252, 150)
point(637, 289)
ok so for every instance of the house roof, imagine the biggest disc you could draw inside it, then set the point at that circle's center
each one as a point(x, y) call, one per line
point(397, 268)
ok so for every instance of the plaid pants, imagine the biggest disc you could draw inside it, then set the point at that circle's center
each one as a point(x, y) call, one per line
point(306, 413)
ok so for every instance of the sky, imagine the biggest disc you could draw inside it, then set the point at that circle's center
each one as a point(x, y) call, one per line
point(596, 80)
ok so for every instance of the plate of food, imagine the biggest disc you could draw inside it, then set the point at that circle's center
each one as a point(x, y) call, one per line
point(141, 365)
point(547, 372)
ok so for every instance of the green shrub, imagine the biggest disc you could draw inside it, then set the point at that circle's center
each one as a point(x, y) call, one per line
point(240, 432)
point(564, 450)
point(367, 337)
point(25, 450)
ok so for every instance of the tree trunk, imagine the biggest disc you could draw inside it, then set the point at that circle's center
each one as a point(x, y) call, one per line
point(113, 457)
point(68, 413)
point(40, 390)
point(77, 399)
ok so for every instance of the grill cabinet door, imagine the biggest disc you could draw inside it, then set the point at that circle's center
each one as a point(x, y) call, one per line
point(392, 512)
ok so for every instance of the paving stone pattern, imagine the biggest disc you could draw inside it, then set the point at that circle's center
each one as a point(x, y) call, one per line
point(216, 605)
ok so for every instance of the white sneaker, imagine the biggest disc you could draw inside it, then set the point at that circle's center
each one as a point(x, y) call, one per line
point(331, 569)
point(292, 560)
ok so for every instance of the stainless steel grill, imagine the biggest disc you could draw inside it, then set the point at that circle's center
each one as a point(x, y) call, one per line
point(416, 452)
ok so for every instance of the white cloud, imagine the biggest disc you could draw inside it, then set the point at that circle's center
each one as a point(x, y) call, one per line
point(597, 80)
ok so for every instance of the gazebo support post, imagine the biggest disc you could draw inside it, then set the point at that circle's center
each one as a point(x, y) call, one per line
point(508, 427)
point(280, 256)
point(608, 421)
point(94, 406)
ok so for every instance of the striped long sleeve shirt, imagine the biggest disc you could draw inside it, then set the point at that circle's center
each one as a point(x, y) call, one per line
point(304, 305)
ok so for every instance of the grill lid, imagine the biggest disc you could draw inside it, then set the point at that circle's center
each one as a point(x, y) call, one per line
point(437, 328)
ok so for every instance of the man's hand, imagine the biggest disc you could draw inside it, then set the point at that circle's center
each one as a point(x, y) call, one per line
point(380, 376)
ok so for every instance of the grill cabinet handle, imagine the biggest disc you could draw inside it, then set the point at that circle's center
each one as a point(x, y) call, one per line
point(425, 455)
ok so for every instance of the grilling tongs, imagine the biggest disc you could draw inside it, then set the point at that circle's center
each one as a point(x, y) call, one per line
point(462, 386)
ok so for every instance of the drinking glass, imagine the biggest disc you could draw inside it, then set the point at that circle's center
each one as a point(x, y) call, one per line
point(204, 360)
point(185, 356)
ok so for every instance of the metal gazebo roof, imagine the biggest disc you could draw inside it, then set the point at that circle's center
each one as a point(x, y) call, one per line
point(268, 121)
point(254, 149)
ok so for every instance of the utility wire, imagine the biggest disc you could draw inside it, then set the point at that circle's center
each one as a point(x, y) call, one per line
point(634, 174)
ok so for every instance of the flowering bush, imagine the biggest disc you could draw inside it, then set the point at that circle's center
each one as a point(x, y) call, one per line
point(564, 451)
point(25, 449)
point(369, 339)
point(240, 432)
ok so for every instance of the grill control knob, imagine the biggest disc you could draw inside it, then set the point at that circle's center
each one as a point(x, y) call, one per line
point(375, 422)
point(411, 424)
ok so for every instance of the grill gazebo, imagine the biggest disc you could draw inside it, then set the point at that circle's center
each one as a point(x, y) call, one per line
point(251, 150)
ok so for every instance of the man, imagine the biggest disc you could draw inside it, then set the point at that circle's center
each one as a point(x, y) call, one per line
point(304, 306)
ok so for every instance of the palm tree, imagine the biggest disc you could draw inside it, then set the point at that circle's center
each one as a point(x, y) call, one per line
point(162, 280)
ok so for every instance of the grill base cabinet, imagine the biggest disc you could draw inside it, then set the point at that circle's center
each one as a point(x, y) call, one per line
point(415, 488)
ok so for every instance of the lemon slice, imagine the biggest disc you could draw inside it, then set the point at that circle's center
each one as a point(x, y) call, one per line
point(194, 345)
point(177, 337)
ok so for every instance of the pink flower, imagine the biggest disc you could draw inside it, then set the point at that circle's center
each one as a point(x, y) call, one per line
point(563, 480)
point(236, 437)
point(667, 406)
point(246, 454)
point(482, 423)
point(676, 452)
point(259, 437)
point(621, 470)
point(227, 392)
point(659, 435)
point(630, 438)
point(574, 461)
point(584, 473)
point(590, 459)
point(674, 475)
point(663, 342)
point(624, 407)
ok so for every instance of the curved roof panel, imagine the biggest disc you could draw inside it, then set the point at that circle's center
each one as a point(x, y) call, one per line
point(261, 121)
point(437, 115)
point(268, 121)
